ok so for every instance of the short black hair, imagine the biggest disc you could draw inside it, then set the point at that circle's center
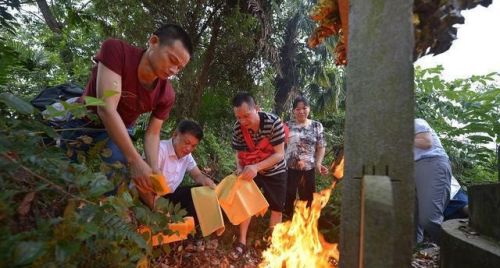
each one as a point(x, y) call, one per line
point(243, 97)
point(298, 100)
point(168, 33)
point(191, 127)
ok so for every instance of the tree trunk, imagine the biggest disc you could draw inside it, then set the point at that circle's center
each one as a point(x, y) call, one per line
point(51, 21)
point(189, 100)
point(288, 81)
point(207, 64)
point(65, 53)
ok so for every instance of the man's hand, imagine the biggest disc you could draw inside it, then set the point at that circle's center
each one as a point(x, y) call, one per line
point(201, 179)
point(147, 197)
point(249, 172)
point(208, 182)
point(140, 172)
point(321, 169)
point(238, 170)
point(301, 164)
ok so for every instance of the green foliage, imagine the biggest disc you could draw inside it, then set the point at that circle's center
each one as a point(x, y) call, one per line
point(53, 212)
point(465, 114)
point(326, 89)
point(16, 103)
point(7, 20)
point(43, 57)
point(215, 153)
point(8, 60)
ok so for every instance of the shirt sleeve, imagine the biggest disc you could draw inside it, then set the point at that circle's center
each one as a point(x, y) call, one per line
point(421, 126)
point(190, 163)
point(164, 106)
point(111, 54)
point(162, 155)
point(277, 133)
point(238, 142)
point(320, 139)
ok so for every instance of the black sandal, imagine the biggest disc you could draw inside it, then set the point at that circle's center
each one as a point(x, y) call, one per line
point(238, 251)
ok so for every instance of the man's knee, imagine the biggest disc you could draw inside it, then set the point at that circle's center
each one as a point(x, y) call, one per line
point(430, 223)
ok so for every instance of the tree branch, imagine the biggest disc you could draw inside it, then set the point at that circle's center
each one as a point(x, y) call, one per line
point(51, 183)
point(208, 22)
point(49, 16)
point(31, 13)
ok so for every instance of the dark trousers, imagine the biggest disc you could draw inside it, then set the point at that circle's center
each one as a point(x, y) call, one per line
point(455, 208)
point(77, 128)
point(71, 142)
point(183, 196)
point(305, 182)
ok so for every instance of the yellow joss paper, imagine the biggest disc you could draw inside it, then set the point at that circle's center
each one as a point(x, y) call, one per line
point(208, 210)
point(160, 184)
point(240, 199)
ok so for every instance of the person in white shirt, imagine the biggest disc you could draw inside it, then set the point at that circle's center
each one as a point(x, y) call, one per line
point(175, 159)
point(432, 182)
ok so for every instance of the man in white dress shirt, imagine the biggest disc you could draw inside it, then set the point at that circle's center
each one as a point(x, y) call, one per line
point(175, 159)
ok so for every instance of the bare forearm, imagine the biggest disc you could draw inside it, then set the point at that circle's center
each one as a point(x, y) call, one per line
point(118, 133)
point(319, 155)
point(270, 161)
point(199, 178)
point(151, 145)
point(238, 167)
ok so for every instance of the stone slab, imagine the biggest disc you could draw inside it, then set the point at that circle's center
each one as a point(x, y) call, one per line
point(462, 249)
point(484, 205)
point(378, 220)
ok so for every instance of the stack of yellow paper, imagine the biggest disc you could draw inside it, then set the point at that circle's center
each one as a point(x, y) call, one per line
point(208, 210)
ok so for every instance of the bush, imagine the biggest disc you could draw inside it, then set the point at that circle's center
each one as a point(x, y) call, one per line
point(53, 212)
point(464, 113)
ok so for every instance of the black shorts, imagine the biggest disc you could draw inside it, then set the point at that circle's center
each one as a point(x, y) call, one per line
point(274, 189)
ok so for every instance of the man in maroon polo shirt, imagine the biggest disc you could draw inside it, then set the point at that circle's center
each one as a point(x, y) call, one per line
point(139, 79)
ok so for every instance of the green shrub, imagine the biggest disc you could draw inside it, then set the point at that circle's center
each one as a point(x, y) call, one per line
point(53, 212)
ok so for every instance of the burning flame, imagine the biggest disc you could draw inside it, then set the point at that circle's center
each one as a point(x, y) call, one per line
point(298, 243)
point(338, 169)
